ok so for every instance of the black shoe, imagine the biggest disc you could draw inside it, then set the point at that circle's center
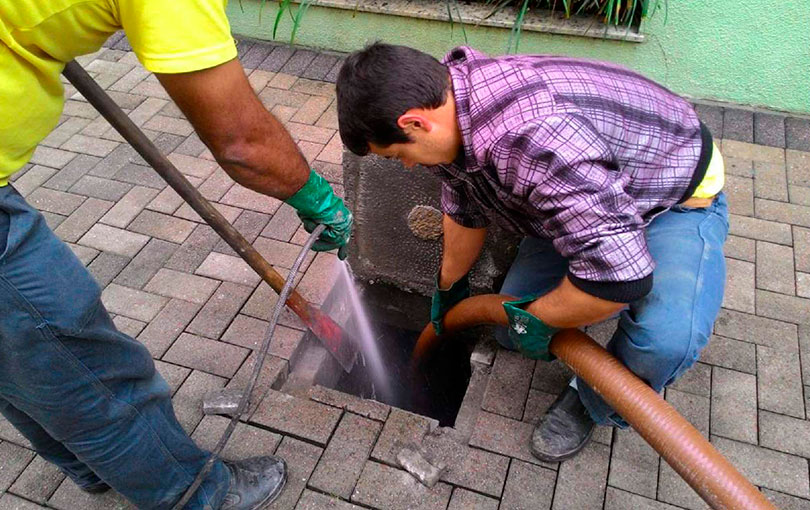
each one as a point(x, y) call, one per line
point(255, 482)
point(98, 487)
point(564, 430)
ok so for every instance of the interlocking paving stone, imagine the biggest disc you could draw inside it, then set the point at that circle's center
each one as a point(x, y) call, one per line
point(285, 81)
point(162, 226)
point(333, 151)
point(195, 167)
point(333, 74)
point(246, 441)
point(770, 181)
point(509, 384)
point(220, 310)
point(782, 307)
point(127, 326)
point(551, 377)
point(194, 250)
point(280, 253)
point(798, 167)
point(104, 189)
point(785, 213)
point(272, 376)
point(780, 382)
point(767, 468)
point(33, 179)
point(64, 131)
point(14, 461)
point(673, 489)
point(758, 330)
point(749, 151)
point(107, 167)
point(712, 116)
point(210, 356)
point(734, 405)
point(694, 408)
point(738, 166)
point(106, 266)
point(48, 156)
point(38, 482)
point(537, 404)
point(89, 145)
point(320, 66)
point(342, 462)
point(505, 436)
point(804, 345)
point(769, 129)
point(803, 285)
point(301, 459)
point(115, 240)
point(262, 302)
point(364, 407)
point(297, 416)
point(285, 222)
point(401, 429)
point(311, 500)
point(55, 201)
point(775, 268)
point(620, 500)
point(167, 124)
point(474, 469)
point(239, 196)
point(141, 176)
point(132, 303)
point(73, 171)
point(69, 497)
point(229, 213)
point(382, 486)
point(797, 133)
point(740, 286)
point(82, 219)
point(83, 253)
point(799, 194)
point(188, 400)
point(187, 287)
point(696, 380)
point(146, 263)
point(319, 277)
point(276, 59)
point(740, 193)
point(754, 228)
point(730, 353)
point(161, 332)
point(310, 133)
point(463, 499)
point(83, 109)
point(53, 220)
point(634, 464)
point(528, 486)
point(129, 206)
point(312, 110)
point(249, 224)
point(802, 248)
point(582, 480)
point(784, 433)
point(174, 375)
point(785, 502)
point(738, 125)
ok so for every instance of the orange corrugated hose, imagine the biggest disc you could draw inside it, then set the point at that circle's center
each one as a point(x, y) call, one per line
point(670, 434)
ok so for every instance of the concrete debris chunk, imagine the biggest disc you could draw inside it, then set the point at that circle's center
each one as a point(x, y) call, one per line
point(415, 463)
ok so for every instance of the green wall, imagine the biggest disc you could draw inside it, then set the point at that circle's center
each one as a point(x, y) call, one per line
point(741, 51)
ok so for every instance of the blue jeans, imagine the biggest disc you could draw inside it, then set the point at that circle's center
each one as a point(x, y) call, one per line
point(85, 395)
point(661, 335)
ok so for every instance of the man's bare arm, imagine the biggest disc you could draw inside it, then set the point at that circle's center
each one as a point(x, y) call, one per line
point(251, 145)
point(462, 246)
point(568, 307)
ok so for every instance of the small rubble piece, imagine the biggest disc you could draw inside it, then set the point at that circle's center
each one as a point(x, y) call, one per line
point(222, 402)
point(415, 463)
point(425, 222)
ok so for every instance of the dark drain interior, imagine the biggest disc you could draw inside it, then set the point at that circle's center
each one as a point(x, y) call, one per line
point(437, 388)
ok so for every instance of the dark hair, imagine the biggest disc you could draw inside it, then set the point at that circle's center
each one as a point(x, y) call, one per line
point(380, 83)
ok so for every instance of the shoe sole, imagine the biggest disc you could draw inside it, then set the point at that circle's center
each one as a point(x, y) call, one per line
point(566, 456)
point(275, 494)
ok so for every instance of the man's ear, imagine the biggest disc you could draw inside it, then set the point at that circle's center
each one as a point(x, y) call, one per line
point(414, 120)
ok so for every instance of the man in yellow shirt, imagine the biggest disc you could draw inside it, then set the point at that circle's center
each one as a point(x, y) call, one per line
point(86, 396)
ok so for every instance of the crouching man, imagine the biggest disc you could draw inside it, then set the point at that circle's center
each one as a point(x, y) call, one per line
point(612, 179)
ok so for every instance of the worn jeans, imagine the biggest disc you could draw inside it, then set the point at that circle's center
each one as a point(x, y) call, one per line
point(85, 395)
point(661, 335)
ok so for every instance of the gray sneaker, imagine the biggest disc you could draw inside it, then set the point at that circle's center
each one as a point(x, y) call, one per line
point(564, 430)
point(255, 482)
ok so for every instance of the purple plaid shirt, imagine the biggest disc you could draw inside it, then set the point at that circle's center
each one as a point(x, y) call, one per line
point(580, 152)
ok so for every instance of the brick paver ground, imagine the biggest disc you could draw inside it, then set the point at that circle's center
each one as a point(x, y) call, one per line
point(170, 282)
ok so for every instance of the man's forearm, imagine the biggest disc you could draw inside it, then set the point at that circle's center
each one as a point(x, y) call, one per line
point(250, 144)
point(568, 307)
point(462, 246)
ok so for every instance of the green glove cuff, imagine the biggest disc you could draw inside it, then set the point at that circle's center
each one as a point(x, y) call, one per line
point(444, 300)
point(529, 334)
point(315, 198)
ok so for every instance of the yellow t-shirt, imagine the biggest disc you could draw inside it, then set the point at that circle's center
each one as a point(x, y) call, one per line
point(714, 178)
point(38, 37)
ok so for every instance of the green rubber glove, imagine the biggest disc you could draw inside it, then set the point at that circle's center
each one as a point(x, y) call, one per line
point(444, 300)
point(316, 203)
point(529, 334)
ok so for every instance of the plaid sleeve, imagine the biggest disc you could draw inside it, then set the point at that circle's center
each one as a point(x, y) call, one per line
point(461, 208)
point(567, 174)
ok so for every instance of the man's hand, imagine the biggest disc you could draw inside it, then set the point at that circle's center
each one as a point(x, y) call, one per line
point(255, 149)
point(445, 299)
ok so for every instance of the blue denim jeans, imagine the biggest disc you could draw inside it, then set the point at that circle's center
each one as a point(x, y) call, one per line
point(661, 335)
point(85, 395)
